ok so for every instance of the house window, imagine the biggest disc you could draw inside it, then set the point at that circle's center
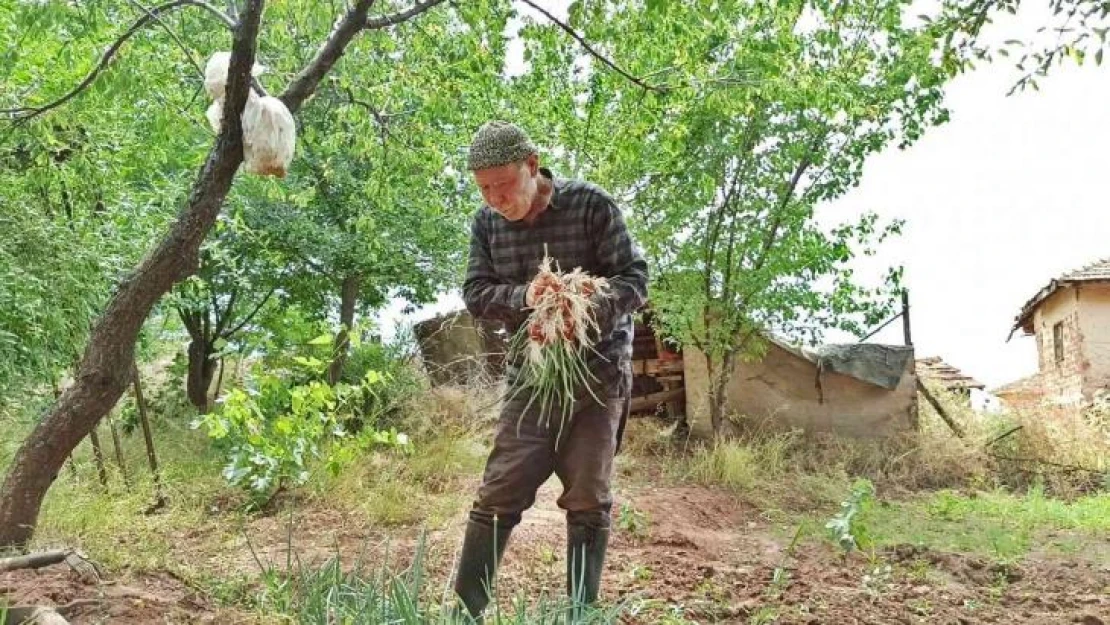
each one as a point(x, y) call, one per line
point(1058, 341)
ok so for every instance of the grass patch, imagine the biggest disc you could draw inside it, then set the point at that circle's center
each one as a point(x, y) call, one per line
point(390, 487)
point(111, 524)
point(428, 485)
point(766, 472)
point(1064, 453)
point(996, 524)
point(1010, 509)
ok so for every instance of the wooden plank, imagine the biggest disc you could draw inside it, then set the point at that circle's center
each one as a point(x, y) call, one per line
point(662, 367)
point(34, 560)
point(654, 399)
point(656, 367)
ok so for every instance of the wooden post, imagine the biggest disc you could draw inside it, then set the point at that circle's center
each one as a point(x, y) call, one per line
point(940, 409)
point(119, 450)
point(220, 377)
point(33, 560)
point(140, 403)
point(98, 457)
point(906, 316)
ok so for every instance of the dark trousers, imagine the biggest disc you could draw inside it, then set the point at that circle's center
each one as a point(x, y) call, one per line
point(521, 461)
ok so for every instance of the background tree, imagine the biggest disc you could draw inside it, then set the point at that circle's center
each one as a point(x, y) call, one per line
point(81, 193)
point(1076, 31)
point(104, 372)
point(237, 278)
point(745, 118)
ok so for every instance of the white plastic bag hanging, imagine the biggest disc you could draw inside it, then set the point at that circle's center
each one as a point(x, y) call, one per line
point(269, 131)
point(269, 135)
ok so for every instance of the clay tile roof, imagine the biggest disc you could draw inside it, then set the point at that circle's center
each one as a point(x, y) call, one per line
point(945, 375)
point(1098, 271)
point(1028, 385)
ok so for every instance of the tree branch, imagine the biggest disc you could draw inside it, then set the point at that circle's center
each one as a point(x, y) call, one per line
point(225, 18)
point(716, 221)
point(787, 193)
point(385, 21)
point(582, 41)
point(223, 318)
point(717, 217)
point(173, 35)
point(191, 321)
point(382, 118)
point(26, 113)
point(305, 83)
point(250, 315)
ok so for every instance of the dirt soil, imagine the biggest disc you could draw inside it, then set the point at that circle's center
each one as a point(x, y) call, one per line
point(698, 553)
point(130, 599)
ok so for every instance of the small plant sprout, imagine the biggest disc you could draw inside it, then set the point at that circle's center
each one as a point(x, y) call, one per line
point(632, 521)
point(845, 528)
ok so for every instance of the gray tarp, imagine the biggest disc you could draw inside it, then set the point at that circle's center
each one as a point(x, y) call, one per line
point(881, 365)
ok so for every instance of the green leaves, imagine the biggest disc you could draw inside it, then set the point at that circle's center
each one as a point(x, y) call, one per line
point(377, 196)
point(743, 118)
point(84, 189)
point(276, 432)
point(1075, 31)
point(847, 528)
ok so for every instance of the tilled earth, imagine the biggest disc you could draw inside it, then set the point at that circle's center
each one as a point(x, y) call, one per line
point(698, 555)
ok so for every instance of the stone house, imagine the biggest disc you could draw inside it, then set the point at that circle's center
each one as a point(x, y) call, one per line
point(1070, 320)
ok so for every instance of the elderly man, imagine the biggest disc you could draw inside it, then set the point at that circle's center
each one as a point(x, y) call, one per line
point(527, 211)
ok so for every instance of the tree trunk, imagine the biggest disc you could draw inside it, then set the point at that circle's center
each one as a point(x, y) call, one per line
point(347, 302)
point(198, 377)
point(719, 373)
point(202, 369)
point(69, 458)
point(105, 370)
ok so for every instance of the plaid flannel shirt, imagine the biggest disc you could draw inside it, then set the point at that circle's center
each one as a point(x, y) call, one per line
point(582, 227)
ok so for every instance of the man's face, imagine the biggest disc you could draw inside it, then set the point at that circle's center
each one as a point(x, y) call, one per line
point(509, 189)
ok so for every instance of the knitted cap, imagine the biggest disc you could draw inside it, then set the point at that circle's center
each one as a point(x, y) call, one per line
point(498, 143)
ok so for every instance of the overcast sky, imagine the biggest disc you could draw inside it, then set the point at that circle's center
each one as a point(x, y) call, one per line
point(1007, 195)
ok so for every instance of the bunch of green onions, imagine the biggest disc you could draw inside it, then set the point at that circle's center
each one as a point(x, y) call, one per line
point(556, 342)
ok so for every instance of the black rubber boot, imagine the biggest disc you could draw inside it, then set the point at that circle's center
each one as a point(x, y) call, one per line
point(482, 549)
point(586, 547)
